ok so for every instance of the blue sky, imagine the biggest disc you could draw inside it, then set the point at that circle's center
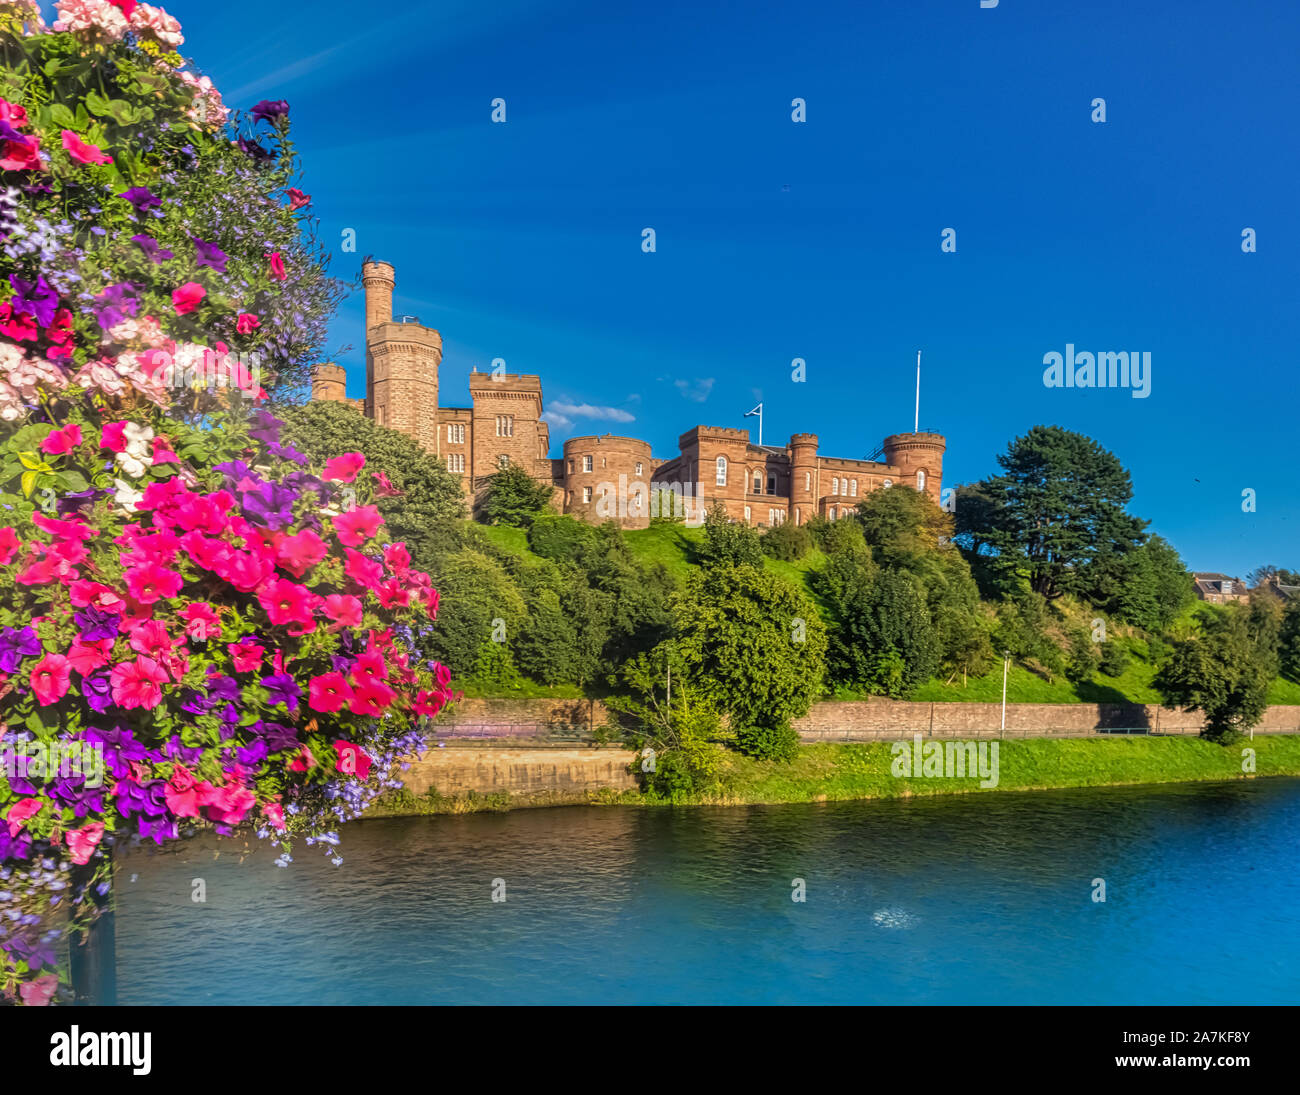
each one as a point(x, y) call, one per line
point(821, 240)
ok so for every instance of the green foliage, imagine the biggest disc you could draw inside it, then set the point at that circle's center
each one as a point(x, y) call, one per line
point(893, 637)
point(779, 742)
point(557, 537)
point(1222, 672)
point(901, 523)
point(728, 543)
point(1084, 657)
point(475, 590)
point(788, 542)
point(1057, 511)
point(1021, 629)
point(1149, 586)
point(1114, 658)
point(514, 497)
point(738, 631)
point(1289, 640)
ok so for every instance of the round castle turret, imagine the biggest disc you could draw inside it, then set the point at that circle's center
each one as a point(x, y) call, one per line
point(611, 457)
point(919, 459)
point(329, 383)
point(803, 476)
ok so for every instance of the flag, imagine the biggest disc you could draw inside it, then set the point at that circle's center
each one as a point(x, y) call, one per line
point(757, 410)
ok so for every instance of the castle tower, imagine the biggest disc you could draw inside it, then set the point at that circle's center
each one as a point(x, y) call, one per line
point(919, 459)
point(329, 383)
point(402, 361)
point(803, 477)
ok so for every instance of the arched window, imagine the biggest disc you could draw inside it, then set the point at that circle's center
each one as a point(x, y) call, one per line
point(854, 491)
point(807, 480)
point(721, 479)
point(920, 480)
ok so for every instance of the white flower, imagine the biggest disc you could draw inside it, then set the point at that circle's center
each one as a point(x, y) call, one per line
point(138, 439)
point(133, 466)
point(127, 496)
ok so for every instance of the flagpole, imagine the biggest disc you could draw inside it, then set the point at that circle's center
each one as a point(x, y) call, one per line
point(917, 425)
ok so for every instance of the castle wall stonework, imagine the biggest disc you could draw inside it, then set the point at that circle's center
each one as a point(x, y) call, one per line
point(759, 485)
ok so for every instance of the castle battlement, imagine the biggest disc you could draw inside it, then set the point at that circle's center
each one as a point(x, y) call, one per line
point(762, 486)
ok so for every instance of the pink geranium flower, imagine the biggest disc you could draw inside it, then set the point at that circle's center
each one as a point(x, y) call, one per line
point(356, 526)
point(50, 679)
point(62, 441)
point(188, 297)
point(138, 683)
point(343, 469)
point(82, 152)
point(247, 323)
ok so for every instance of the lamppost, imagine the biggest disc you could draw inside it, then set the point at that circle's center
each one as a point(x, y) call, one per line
point(1006, 661)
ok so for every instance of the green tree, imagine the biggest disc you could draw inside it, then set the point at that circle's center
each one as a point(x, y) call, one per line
point(753, 645)
point(515, 498)
point(476, 591)
point(1149, 586)
point(728, 543)
point(894, 637)
point(1289, 640)
point(1221, 672)
point(1058, 510)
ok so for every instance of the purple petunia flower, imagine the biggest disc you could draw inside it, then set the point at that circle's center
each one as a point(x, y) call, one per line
point(266, 427)
point(153, 251)
point(142, 199)
point(270, 110)
point(223, 689)
point(35, 298)
point(16, 645)
point(97, 690)
point(115, 303)
point(254, 151)
point(282, 689)
point(209, 254)
point(270, 505)
point(97, 623)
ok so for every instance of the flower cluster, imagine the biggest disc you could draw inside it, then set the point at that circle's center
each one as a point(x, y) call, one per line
point(225, 629)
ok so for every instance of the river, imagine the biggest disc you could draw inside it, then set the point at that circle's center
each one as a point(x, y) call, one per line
point(976, 899)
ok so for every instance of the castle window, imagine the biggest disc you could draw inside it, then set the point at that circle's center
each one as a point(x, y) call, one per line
point(853, 490)
point(796, 515)
point(832, 513)
point(758, 483)
point(638, 468)
point(835, 485)
point(586, 493)
point(503, 461)
point(807, 480)
point(455, 433)
point(771, 484)
point(748, 514)
point(570, 463)
point(920, 480)
point(456, 461)
point(505, 425)
point(721, 477)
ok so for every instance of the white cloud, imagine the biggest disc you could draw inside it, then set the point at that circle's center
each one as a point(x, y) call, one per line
point(697, 391)
point(561, 415)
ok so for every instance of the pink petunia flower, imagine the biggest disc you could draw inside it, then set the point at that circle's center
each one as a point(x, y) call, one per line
point(21, 812)
point(150, 582)
point(351, 760)
point(247, 323)
point(297, 199)
point(62, 441)
point(246, 655)
point(188, 297)
point(83, 842)
point(358, 525)
point(202, 621)
point(345, 468)
point(277, 266)
point(138, 683)
point(327, 692)
point(50, 679)
point(343, 609)
point(82, 152)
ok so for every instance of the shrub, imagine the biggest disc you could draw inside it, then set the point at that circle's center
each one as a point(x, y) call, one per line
point(788, 542)
point(560, 538)
point(779, 742)
point(728, 543)
point(1114, 658)
point(515, 498)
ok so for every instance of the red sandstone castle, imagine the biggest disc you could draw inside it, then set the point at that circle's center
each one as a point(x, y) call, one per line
point(605, 477)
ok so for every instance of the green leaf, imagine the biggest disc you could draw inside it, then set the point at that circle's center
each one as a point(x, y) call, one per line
point(29, 482)
point(72, 480)
point(33, 462)
point(96, 103)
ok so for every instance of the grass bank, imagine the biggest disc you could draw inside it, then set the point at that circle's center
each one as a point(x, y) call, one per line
point(843, 772)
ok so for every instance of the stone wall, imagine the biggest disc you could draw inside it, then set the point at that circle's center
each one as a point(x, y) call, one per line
point(527, 771)
point(861, 720)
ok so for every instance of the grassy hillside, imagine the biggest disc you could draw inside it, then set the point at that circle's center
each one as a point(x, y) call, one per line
point(672, 545)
